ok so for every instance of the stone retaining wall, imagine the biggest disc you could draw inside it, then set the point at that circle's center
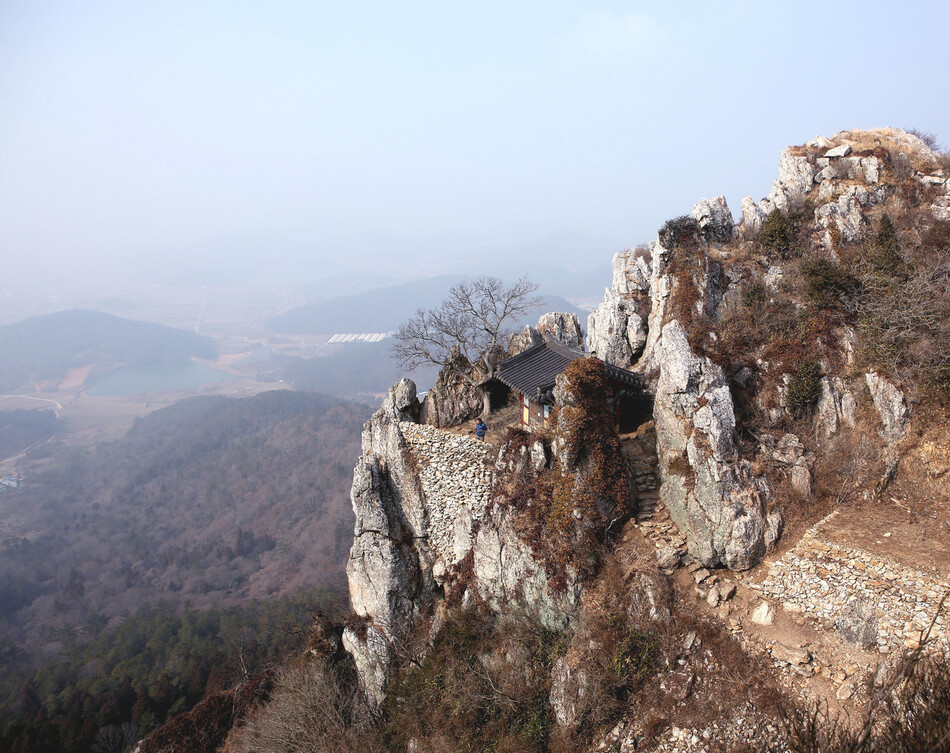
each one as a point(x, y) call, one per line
point(456, 474)
point(826, 581)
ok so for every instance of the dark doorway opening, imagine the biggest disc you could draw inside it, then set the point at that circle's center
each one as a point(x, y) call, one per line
point(498, 394)
point(633, 410)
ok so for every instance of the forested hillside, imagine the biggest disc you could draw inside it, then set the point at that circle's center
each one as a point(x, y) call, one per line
point(209, 503)
point(46, 347)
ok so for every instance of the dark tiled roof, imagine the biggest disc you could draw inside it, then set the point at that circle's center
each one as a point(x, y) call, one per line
point(533, 372)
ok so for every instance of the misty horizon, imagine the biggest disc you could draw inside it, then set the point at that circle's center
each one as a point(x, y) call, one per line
point(218, 144)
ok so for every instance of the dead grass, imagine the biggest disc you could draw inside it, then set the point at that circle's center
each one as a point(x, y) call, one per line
point(921, 157)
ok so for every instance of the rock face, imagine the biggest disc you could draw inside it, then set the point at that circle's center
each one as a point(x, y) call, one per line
point(848, 183)
point(891, 406)
point(711, 494)
point(426, 524)
point(451, 400)
point(616, 329)
point(835, 408)
point(388, 589)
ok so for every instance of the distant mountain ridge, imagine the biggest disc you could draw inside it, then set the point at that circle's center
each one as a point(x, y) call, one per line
point(45, 347)
point(385, 308)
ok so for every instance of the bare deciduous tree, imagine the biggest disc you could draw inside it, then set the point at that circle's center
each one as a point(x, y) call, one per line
point(464, 333)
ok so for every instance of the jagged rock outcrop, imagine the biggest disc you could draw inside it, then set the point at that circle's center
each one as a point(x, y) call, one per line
point(849, 183)
point(526, 338)
point(711, 494)
point(714, 220)
point(556, 325)
point(616, 329)
point(452, 399)
point(563, 327)
point(427, 524)
point(388, 582)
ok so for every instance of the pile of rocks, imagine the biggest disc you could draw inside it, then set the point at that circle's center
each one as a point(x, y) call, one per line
point(455, 472)
point(709, 586)
point(745, 730)
point(829, 582)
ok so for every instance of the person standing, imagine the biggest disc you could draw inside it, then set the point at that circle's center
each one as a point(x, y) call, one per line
point(480, 429)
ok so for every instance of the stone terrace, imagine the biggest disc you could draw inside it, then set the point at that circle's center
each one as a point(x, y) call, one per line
point(455, 471)
point(826, 580)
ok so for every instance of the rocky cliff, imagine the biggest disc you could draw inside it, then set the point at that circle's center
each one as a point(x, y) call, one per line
point(769, 350)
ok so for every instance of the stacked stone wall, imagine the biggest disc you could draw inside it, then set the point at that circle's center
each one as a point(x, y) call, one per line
point(826, 580)
point(456, 473)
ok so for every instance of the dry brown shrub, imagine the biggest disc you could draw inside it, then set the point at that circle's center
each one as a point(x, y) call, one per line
point(311, 711)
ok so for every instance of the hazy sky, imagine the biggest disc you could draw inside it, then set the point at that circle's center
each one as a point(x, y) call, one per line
point(155, 135)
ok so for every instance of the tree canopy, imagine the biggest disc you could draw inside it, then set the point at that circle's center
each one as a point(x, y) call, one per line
point(467, 328)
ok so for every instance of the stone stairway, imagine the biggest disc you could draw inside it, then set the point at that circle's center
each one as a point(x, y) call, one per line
point(652, 517)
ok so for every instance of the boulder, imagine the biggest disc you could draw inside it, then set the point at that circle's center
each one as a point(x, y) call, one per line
point(763, 613)
point(404, 399)
point(839, 151)
point(791, 654)
point(800, 478)
point(667, 557)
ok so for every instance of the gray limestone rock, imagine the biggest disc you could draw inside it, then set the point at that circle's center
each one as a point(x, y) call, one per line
point(569, 688)
point(835, 408)
point(507, 573)
point(753, 218)
point(839, 151)
point(523, 340)
point(451, 400)
point(404, 399)
point(563, 327)
point(788, 450)
point(631, 272)
point(712, 495)
point(891, 406)
point(385, 580)
point(616, 329)
point(714, 220)
point(846, 215)
point(796, 176)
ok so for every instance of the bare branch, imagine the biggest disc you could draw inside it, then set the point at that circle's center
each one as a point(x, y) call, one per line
point(472, 320)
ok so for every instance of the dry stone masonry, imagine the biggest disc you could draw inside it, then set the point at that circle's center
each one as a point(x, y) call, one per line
point(455, 472)
point(829, 582)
